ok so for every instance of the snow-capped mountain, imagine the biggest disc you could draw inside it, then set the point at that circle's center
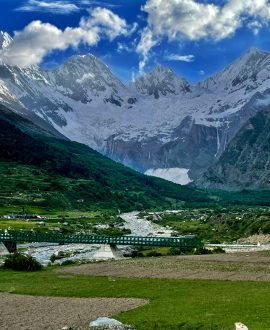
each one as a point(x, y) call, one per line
point(246, 73)
point(5, 40)
point(83, 78)
point(160, 81)
point(158, 121)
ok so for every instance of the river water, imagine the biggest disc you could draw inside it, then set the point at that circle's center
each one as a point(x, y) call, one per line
point(79, 252)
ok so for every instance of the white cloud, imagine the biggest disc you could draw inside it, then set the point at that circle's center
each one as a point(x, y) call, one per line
point(62, 7)
point(147, 42)
point(107, 22)
point(193, 20)
point(255, 26)
point(201, 72)
point(122, 47)
point(99, 3)
point(38, 39)
point(183, 58)
point(59, 7)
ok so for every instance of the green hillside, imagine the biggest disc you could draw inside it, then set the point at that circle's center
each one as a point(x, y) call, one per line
point(39, 169)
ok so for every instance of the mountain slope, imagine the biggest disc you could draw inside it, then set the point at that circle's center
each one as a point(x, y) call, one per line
point(245, 164)
point(158, 121)
point(58, 169)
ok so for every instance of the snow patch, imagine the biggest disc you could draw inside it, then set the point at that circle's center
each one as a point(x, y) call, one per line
point(174, 174)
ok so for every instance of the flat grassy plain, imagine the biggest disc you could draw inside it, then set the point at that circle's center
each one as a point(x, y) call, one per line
point(174, 304)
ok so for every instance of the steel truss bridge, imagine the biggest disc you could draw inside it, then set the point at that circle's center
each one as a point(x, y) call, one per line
point(184, 242)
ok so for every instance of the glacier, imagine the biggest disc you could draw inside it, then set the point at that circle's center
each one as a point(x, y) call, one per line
point(176, 175)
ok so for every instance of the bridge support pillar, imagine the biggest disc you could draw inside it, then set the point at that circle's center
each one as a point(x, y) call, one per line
point(108, 251)
point(11, 246)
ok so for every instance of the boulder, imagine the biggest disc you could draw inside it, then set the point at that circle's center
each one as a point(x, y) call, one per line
point(240, 326)
point(105, 323)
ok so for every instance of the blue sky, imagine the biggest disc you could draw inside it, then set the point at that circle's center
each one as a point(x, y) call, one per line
point(194, 38)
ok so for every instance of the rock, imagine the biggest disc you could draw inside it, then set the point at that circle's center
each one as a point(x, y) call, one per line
point(105, 323)
point(3, 251)
point(240, 326)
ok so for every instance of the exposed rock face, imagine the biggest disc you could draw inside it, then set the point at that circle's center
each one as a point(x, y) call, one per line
point(158, 121)
point(193, 146)
point(245, 164)
point(160, 82)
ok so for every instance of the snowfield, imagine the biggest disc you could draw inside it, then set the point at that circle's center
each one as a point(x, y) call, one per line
point(176, 175)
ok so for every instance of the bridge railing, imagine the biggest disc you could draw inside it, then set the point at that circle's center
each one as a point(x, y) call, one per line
point(188, 241)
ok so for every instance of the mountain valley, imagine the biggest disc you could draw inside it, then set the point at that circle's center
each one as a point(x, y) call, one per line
point(157, 122)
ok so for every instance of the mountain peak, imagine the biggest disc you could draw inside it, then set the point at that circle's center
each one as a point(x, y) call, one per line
point(161, 69)
point(87, 77)
point(252, 54)
point(255, 50)
point(5, 39)
point(160, 81)
point(242, 73)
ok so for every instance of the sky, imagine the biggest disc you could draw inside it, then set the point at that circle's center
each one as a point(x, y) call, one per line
point(195, 38)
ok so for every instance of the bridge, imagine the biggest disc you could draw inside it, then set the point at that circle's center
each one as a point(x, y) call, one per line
point(185, 242)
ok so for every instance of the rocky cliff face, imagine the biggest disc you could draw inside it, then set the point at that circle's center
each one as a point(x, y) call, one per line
point(158, 121)
point(245, 164)
point(160, 82)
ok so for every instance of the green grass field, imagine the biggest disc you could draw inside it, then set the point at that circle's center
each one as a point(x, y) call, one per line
point(174, 304)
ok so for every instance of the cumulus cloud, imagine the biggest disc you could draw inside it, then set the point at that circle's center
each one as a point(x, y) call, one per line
point(193, 20)
point(38, 39)
point(59, 7)
point(106, 21)
point(182, 58)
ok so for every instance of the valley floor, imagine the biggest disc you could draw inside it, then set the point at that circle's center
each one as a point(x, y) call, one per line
point(174, 304)
point(237, 266)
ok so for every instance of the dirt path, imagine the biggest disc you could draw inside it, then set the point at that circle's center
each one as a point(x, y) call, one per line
point(236, 266)
point(31, 313)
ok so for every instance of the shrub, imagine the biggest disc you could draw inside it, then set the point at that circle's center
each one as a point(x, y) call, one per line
point(53, 258)
point(68, 262)
point(153, 254)
point(218, 250)
point(203, 250)
point(174, 251)
point(20, 262)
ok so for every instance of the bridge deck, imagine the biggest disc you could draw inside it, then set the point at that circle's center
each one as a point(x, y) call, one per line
point(189, 241)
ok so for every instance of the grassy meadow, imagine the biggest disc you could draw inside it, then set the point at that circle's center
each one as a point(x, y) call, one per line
point(173, 304)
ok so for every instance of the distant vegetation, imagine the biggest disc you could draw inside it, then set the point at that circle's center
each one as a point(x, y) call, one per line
point(217, 225)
